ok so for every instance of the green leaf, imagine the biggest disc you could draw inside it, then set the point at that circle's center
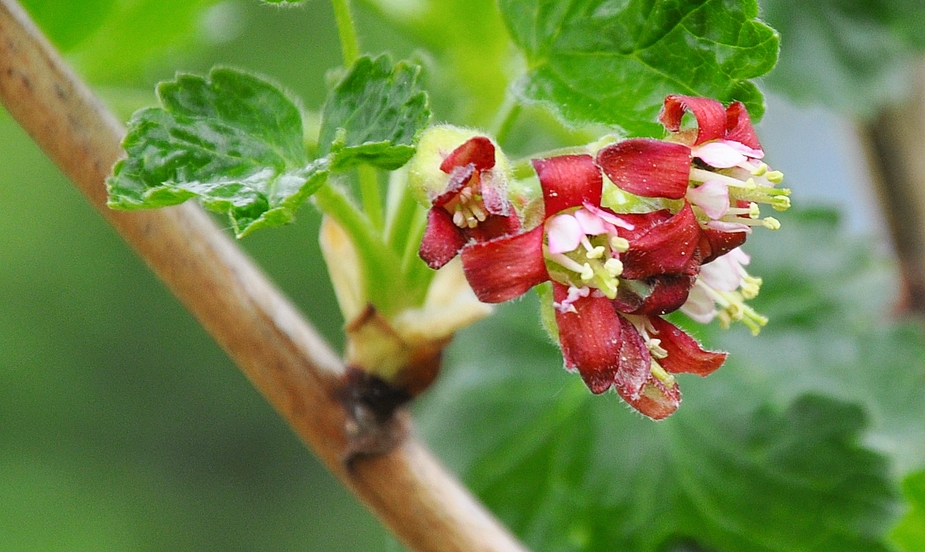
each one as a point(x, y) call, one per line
point(233, 140)
point(373, 115)
point(862, 50)
point(767, 454)
point(910, 533)
point(595, 62)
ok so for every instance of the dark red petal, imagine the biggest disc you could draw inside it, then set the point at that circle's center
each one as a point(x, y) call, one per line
point(656, 400)
point(716, 243)
point(459, 177)
point(493, 227)
point(710, 115)
point(635, 361)
point(663, 249)
point(506, 267)
point(479, 151)
point(442, 239)
point(648, 167)
point(589, 338)
point(655, 296)
point(685, 355)
point(739, 126)
point(569, 181)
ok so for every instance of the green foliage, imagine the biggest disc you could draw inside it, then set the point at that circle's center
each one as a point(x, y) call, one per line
point(765, 454)
point(235, 141)
point(910, 533)
point(615, 64)
point(849, 55)
point(373, 115)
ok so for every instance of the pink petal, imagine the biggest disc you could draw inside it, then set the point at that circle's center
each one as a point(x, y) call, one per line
point(590, 338)
point(442, 239)
point(712, 196)
point(607, 216)
point(506, 267)
point(477, 151)
point(699, 306)
point(664, 248)
point(685, 355)
point(564, 233)
point(648, 167)
point(739, 127)
point(719, 154)
point(568, 181)
point(590, 223)
point(710, 115)
point(723, 273)
point(656, 400)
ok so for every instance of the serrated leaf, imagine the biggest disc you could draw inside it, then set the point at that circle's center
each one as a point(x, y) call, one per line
point(764, 454)
point(233, 140)
point(910, 533)
point(614, 63)
point(373, 115)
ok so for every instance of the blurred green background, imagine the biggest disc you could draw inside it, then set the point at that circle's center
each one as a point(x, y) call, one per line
point(124, 427)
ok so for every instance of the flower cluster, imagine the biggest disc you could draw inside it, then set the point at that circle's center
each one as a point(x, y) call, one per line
point(629, 233)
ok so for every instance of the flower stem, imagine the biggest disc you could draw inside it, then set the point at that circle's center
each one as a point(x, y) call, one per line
point(387, 294)
point(349, 44)
point(370, 196)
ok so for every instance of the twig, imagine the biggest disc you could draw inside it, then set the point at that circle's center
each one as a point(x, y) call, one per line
point(407, 488)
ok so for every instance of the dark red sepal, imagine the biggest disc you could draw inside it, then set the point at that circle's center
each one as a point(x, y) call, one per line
point(569, 181)
point(495, 226)
point(710, 115)
point(442, 239)
point(716, 243)
point(506, 267)
point(478, 151)
point(739, 126)
point(459, 177)
point(648, 167)
point(664, 248)
point(655, 296)
point(635, 360)
point(656, 400)
point(685, 355)
point(590, 338)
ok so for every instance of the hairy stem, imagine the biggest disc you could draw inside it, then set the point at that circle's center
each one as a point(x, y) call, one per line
point(349, 44)
point(281, 354)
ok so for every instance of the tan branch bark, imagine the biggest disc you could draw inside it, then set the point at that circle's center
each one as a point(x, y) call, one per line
point(407, 488)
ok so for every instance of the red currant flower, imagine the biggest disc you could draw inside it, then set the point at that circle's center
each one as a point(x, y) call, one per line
point(716, 167)
point(721, 289)
point(589, 254)
point(465, 187)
